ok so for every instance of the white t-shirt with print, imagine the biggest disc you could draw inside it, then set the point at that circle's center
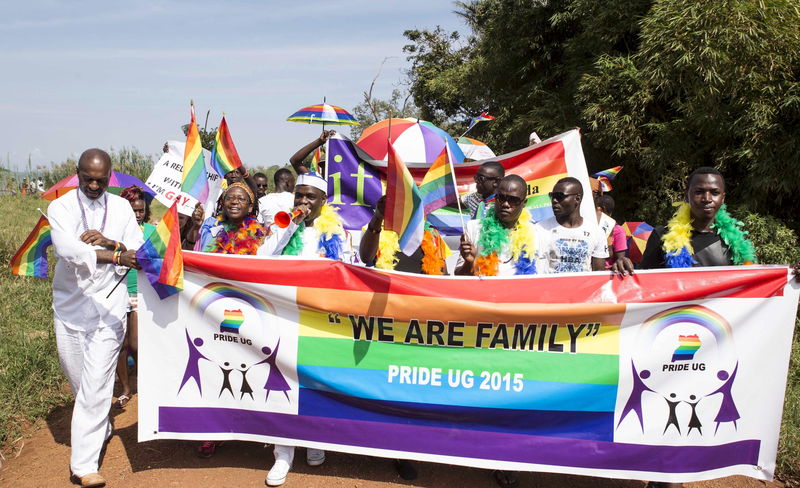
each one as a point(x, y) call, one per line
point(569, 250)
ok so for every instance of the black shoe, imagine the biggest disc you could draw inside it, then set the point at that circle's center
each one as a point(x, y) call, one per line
point(405, 469)
point(505, 479)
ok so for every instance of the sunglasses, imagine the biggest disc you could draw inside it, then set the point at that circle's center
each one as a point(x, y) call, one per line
point(559, 195)
point(510, 199)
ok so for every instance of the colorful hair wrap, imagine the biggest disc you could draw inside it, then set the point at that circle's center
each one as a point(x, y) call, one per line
point(245, 238)
point(677, 242)
point(432, 259)
point(331, 234)
point(494, 237)
point(239, 184)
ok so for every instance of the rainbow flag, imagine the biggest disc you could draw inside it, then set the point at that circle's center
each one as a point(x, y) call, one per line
point(224, 157)
point(438, 188)
point(315, 159)
point(31, 258)
point(687, 347)
point(404, 211)
point(160, 255)
point(232, 321)
point(606, 176)
point(483, 117)
point(194, 180)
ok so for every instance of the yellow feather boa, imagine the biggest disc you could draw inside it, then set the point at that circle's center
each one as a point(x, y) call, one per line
point(432, 251)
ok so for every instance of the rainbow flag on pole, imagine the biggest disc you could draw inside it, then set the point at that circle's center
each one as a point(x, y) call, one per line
point(224, 157)
point(404, 211)
point(194, 180)
point(483, 117)
point(31, 258)
point(606, 176)
point(160, 255)
point(438, 188)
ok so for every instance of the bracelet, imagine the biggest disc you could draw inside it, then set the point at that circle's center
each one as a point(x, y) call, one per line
point(116, 246)
point(115, 257)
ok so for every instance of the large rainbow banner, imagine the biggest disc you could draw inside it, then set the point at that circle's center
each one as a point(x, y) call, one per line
point(665, 376)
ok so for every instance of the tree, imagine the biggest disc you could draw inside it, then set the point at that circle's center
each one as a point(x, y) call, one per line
point(659, 86)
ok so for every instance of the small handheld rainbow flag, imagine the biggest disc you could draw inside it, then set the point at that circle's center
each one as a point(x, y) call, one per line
point(438, 189)
point(31, 258)
point(194, 180)
point(160, 255)
point(404, 211)
point(315, 159)
point(483, 117)
point(606, 176)
point(224, 157)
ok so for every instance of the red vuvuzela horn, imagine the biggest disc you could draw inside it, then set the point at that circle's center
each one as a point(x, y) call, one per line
point(283, 219)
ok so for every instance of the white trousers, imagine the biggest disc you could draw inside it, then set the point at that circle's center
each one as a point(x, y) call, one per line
point(89, 359)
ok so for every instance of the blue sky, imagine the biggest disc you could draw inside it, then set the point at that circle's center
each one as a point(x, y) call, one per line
point(110, 74)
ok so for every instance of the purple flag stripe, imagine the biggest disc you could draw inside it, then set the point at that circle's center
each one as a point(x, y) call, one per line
point(518, 448)
point(575, 425)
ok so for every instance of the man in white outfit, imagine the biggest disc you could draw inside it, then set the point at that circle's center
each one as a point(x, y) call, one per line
point(95, 235)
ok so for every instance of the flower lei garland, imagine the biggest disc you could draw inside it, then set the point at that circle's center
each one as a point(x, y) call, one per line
point(677, 242)
point(331, 234)
point(389, 246)
point(494, 237)
point(244, 239)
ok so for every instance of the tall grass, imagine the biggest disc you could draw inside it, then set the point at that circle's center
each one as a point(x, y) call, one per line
point(31, 383)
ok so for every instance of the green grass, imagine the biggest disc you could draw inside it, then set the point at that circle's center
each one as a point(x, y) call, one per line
point(31, 382)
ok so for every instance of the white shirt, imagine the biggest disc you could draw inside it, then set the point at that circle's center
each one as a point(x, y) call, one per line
point(80, 284)
point(569, 250)
point(275, 242)
point(506, 266)
point(272, 203)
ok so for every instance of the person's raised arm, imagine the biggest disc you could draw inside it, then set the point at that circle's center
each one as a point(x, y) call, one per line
point(370, 239)
point(467, 258)
point(298, 160)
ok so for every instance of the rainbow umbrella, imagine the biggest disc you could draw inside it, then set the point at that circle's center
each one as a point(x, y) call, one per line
point(323, 114)
point(416, 141)
point(637, 234)
point(116, 183)
point(475, 149)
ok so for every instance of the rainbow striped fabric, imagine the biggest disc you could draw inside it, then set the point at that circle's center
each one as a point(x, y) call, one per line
point(404, 211)
point(323, 114)
point(194, 180)
point(160, 256)
point(483, 117)
point(606, 176)
point(31, 258)
point(315, 159)
point(224, 157)
point(232, 321)
point(688, 346)
point(438, 188)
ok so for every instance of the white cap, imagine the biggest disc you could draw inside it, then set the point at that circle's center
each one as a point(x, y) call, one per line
point(312, 179)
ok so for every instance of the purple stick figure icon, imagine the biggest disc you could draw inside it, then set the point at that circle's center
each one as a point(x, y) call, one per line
point(193, 363)
point(634, 403)
point(727, 409)
point(275, 379)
